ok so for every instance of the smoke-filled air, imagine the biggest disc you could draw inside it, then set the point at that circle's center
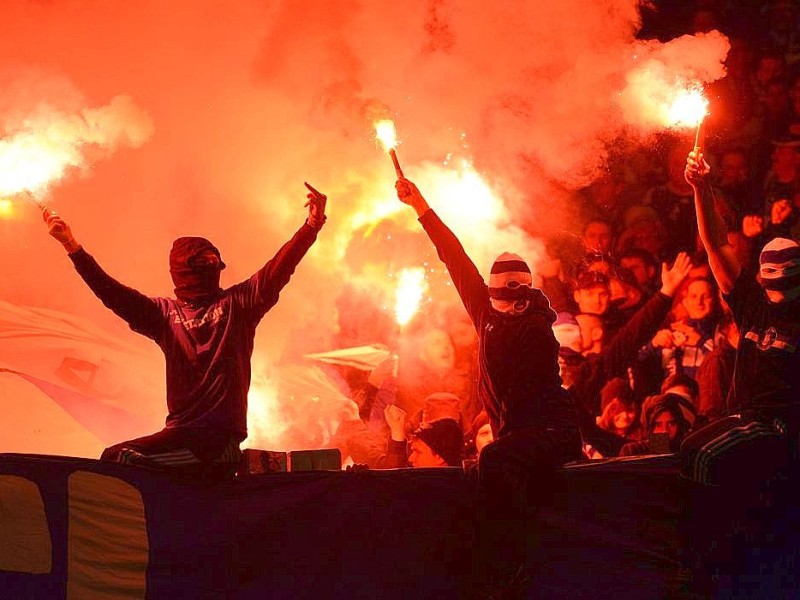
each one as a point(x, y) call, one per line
point(144, 121)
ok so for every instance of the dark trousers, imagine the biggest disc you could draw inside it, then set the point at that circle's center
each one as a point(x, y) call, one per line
point(516, 474)
point(190, 451)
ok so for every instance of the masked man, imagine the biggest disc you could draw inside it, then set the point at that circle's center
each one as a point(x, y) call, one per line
point(532, 416)
point(206, 334)
point(738, 461)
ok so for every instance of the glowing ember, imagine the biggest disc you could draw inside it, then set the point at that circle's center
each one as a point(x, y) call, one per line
point(411, 287)
point(688, 109)
point(386, 134)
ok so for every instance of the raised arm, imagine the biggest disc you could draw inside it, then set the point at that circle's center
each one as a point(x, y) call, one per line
point(721, 256)
point(466, 278)
point(139, 311)
point(262, 289)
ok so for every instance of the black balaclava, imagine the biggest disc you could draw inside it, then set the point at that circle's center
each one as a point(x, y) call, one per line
point(195, 284)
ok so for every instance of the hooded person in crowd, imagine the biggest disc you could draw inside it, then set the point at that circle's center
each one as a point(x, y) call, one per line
point(206, 334)
point(668, 414)
point(532, 416)
point(751, 451)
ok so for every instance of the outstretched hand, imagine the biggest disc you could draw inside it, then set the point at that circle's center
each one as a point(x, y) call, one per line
point(316, 207)
point(58, 228)
point(672, 278)
point(408, 193)
point(697, 169)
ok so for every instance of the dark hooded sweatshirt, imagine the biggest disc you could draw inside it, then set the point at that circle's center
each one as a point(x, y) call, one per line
point(208, 346)
point(518, 375)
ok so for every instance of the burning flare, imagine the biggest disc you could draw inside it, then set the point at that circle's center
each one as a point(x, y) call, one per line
point(688, 109)
point(411, 287)
point(386, 134)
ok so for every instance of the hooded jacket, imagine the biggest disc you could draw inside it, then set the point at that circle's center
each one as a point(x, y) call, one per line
point(207, 346)
point(518, 376)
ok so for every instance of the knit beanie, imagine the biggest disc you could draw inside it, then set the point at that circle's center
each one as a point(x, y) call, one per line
point(510, 278)
point(779, 268)
point(445, 438)
point(683, 410)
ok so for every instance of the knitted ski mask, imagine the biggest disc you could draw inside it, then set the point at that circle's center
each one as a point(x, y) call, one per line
point(779, 270)
point(194, 283)
point(510, 284)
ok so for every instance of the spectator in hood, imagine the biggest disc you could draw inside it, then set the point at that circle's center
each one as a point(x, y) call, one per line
point(667, 414)
point(206, 334)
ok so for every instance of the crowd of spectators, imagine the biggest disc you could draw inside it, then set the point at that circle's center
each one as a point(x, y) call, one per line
point(644, 367)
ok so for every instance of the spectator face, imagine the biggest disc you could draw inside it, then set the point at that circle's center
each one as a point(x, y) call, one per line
point(624, 419)
point(597, 237)
point(647, 236)
point(592, 300)
point(699, 300)
point(483, 437)
point(733, 169)
point(640, 269)
point(437, 351)
point(423, 456)
point(666, 423)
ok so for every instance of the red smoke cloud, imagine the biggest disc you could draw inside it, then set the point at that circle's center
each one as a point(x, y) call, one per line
point(248, 100)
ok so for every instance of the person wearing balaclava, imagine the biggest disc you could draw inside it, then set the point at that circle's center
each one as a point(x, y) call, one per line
point(206, 334)
point(533, 418)
point(743, 453)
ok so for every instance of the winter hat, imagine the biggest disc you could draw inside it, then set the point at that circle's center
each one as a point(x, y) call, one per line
point(445, 438)
point(679, 406)
point(510, 278)
point(779, 268)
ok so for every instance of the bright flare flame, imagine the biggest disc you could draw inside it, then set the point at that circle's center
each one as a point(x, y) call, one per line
point(688, 109)
point(411, 287)
point(386, 134)
point(44, 145)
